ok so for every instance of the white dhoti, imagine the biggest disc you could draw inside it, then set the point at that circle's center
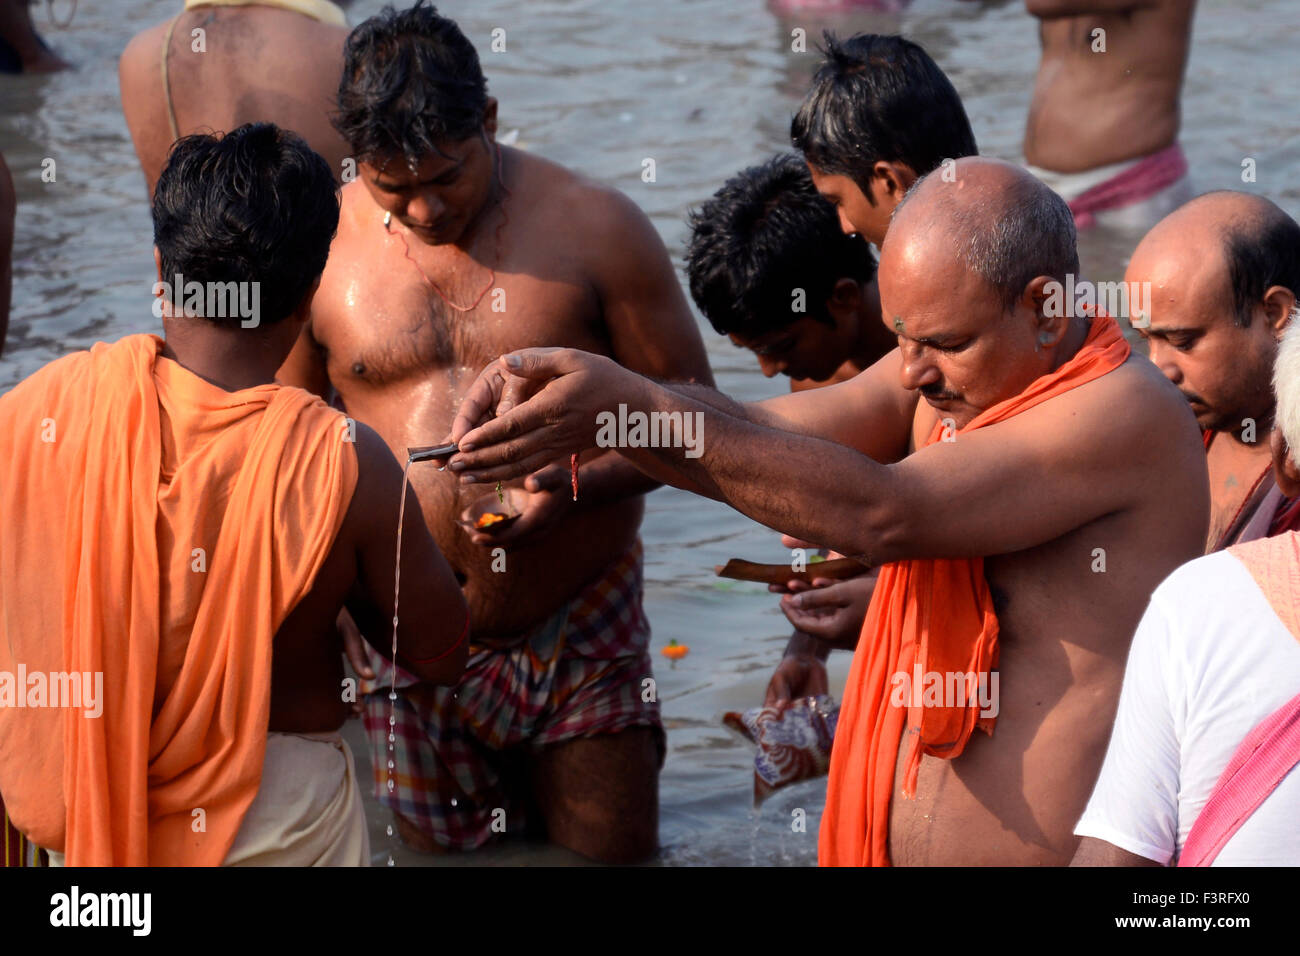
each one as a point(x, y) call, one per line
point(308, 808)
point(307, 811)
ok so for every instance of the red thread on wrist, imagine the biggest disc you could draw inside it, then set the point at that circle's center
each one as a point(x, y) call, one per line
point(459, 641)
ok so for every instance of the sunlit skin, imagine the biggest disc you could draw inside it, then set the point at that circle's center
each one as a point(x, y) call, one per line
point(576, 263)
point(889, 183)
point(1034, 495)
point(1223, 370)
point(234, 80)
point(1093, 108)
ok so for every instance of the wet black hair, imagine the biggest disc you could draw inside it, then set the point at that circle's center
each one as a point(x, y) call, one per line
point(879, 98)
point(411, 81)
point(1261, 252)
point(255, 205)
point(765, 233)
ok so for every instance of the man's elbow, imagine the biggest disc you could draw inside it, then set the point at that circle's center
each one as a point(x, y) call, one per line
point(445, 672)
point(446, 664)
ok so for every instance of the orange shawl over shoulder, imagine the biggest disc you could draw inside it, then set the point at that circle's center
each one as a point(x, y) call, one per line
point(926, 616)
point(158, 530)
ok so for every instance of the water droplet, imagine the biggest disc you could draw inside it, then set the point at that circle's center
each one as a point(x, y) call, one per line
point(391, 738)
point(391, 861)
point(392, 721)
point(392, 695)
point(453, 801)
point(390, 829)
point(390, 765)
point(390, 786)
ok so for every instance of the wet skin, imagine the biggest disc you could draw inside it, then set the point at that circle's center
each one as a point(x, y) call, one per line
point(1090, 108)
point(575, 264)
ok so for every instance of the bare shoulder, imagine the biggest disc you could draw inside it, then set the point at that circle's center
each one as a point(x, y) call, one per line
point(142, 53)
point(591, 210)
point(1140, 401)
point(378, 475)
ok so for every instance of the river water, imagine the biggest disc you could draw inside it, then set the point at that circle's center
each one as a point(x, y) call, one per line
point(703, 87)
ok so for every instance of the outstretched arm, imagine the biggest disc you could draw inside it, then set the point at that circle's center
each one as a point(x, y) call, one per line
point(983, 493)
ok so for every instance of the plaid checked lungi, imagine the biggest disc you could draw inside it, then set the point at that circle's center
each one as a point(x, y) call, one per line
point(578, 674)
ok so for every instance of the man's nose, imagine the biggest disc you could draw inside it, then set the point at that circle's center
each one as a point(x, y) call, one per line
point(425, 208)
point(847, 227)
point(771, 366)
point(918, 370)
point(1162, 357)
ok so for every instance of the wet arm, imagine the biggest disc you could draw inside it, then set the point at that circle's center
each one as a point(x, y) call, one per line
point(650, 326)
point(431, 607)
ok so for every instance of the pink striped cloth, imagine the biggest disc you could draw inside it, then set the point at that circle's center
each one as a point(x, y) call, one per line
point(1140, 181)
point(1264, 758)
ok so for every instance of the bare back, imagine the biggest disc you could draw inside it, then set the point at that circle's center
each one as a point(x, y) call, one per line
point(256, 64)
point(1093, 108)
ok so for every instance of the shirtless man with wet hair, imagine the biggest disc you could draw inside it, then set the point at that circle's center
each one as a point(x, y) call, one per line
point(1108, 458)
point(452, 249)
point(254, 61)
point(1103, 124)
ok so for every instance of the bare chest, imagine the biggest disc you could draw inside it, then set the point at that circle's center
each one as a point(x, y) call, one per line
point(1237, 471)
point(405, 322)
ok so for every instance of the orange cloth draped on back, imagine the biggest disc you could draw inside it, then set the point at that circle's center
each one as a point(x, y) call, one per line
point(120, 464)
point(926, 616)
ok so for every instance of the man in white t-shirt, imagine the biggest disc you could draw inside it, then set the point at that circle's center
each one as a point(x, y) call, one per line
point(1217, 652)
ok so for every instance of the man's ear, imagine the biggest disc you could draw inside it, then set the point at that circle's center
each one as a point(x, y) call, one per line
point(157, 261)
point(845, 301)
point(1279, 302)
point(1051, 321)
point(1285, 472)
point(490, 118)
point(891, 181)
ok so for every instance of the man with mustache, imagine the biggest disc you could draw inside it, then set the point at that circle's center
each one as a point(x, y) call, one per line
point(1022, 513)
point(1224, 271)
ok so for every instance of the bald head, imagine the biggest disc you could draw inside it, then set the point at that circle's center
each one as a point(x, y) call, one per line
point(1259, 248)
point(995, 219)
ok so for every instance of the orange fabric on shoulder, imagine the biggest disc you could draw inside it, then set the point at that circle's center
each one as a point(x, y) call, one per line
point(157, 530)
point(926, 616)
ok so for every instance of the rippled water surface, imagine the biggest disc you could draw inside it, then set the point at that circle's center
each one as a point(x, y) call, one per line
point(703, 87)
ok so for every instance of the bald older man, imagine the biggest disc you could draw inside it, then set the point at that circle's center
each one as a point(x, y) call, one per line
point(1025, 480)
point(1224, 273)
